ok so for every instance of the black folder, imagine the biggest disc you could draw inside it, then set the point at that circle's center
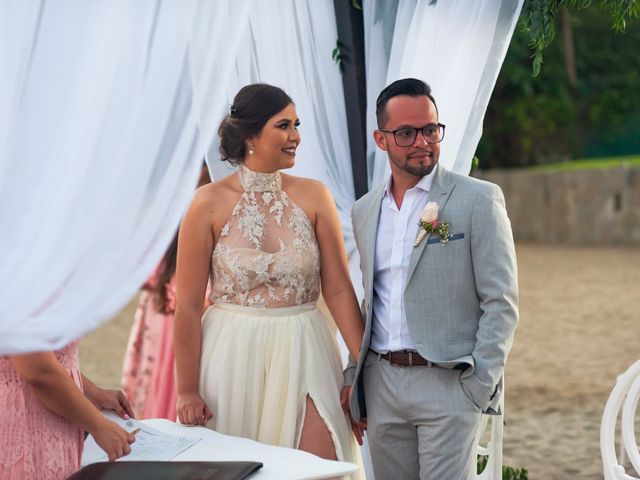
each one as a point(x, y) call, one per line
point(167, 471)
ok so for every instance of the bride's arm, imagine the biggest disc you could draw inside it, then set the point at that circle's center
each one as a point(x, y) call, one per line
point(195, 245)
point(337, 289)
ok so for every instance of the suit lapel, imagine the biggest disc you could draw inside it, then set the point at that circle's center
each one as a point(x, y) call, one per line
point(370, 230)
point(440, 190)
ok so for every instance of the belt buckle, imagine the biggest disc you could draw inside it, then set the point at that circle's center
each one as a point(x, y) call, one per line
point(390, 358)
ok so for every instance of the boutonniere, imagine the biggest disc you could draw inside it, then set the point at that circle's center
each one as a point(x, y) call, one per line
point(429, 223)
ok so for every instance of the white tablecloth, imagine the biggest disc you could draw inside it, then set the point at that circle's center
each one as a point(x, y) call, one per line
point(279, 463)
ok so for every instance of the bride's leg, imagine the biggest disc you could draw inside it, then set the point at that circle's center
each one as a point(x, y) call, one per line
point(315, 437)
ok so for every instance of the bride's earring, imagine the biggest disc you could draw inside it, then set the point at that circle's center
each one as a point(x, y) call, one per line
point(251, 149)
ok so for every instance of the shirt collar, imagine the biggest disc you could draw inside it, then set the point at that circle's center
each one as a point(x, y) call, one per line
point(424, 183)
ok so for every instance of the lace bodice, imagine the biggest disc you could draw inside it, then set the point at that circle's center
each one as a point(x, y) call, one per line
point(267, 254)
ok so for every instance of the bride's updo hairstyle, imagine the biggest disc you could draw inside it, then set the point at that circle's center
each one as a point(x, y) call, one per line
point(252, 106)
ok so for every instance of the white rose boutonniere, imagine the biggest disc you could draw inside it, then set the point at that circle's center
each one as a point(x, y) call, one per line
point(429, 223)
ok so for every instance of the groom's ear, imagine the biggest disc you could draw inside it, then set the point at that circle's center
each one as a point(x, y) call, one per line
point(380, 139)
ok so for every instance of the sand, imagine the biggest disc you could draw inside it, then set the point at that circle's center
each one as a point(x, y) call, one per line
point(579, 329)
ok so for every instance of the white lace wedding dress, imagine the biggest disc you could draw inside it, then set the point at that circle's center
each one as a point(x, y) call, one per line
point(265, 345)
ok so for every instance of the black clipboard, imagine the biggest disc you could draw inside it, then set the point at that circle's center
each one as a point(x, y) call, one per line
point(167, 471)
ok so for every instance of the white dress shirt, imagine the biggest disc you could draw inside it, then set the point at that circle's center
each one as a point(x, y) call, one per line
point(397, 230)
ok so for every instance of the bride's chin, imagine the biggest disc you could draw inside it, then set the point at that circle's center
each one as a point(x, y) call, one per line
point(288, 163)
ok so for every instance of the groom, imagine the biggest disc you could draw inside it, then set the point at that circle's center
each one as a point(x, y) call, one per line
point(440, 306)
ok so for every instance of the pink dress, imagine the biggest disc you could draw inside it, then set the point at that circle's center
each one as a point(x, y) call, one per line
point(36, 443)
point(148, 377)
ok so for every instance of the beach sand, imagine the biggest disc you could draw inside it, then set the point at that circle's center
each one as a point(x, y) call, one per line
point(579, 329)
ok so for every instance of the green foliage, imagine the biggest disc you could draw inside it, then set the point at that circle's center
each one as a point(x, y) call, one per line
point(620, 10)
point(508, 473)
point(336, 54)
point(532, 120)
point(538, 20)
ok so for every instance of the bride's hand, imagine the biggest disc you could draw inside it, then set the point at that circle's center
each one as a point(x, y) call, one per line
point(192, 410)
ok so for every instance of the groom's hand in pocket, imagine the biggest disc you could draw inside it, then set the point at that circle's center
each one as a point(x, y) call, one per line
point(358, 427)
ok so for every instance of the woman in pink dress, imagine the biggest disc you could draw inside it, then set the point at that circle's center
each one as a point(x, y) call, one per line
point(44, 415)
point(148, 372)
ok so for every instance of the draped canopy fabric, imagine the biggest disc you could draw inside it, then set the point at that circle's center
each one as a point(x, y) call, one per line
point(101, 109)
point(107, 109)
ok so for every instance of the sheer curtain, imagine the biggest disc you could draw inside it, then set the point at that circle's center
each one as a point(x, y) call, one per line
point(456, 46)
point(101, 105)
point(106, 109)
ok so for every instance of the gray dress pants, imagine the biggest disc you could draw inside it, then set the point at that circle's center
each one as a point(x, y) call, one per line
point(420, 423)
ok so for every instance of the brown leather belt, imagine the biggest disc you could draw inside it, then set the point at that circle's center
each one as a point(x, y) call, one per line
point(405, 359)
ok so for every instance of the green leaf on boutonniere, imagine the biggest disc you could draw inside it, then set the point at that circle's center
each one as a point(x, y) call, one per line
point(439, 228)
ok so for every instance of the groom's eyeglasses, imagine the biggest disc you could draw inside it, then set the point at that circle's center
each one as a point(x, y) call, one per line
point(406, 136)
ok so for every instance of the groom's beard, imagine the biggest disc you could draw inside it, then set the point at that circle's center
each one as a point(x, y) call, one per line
point(416, 167)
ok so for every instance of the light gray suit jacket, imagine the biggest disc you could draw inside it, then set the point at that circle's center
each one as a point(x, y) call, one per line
point(460, 298)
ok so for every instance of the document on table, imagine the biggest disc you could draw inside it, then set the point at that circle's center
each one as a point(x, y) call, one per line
point(150, 444)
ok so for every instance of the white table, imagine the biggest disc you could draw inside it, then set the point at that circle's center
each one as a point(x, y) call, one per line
point(279, 463)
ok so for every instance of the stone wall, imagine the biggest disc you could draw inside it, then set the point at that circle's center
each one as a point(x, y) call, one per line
point(598, 206)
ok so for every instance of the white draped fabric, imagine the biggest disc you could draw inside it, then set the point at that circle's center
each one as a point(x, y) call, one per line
point(99, 151)
point(106, 109)
point(456, 46)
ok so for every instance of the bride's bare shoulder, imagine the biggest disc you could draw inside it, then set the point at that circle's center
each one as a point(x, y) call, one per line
point(303, 184)
point(312, 195)
point(217, 195)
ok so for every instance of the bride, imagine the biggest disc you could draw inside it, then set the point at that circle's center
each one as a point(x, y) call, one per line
point(262, 363)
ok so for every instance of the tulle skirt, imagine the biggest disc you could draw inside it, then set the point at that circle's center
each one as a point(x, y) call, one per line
point(258, 366)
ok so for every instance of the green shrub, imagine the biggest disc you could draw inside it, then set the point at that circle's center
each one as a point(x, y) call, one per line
point(533, 120)
point(508, 473)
